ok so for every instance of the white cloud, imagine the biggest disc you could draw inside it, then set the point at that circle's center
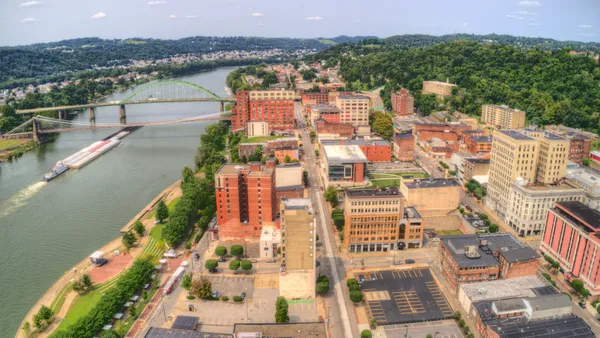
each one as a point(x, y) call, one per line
point(156, 3)
point(190, 16)
point(314, 18)
point(534, 24)
point(525, 13)
point(585, 26)
point(98, 15)
point(28, 20)
point(530, 3)
point(464, 24)
point(30, 4)
point(172, 16)
point(257, 14)
point(514, 17)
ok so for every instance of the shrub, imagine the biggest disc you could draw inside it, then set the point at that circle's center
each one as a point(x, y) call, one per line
point(246, 265)
point(366, 334)
point(461, 323)
point(281, 310)
point(351, 281)
point(224, 298)
point(190, 297)
point(211, 264)
point(234, 264)
point(457, 315)
point(322, 284)
point(237, 299)
point(356, 296)
point(577, 285)
point(221, 251)
point(237, 250)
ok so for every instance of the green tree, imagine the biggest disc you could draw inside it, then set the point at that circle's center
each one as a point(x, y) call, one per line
point(352, 282)
point(577, 284)
point(86, 281)
point(428, 336)
point(356, 296)
point(246, 265)
point(322, 284)
point(331, 196)
point(281, 310)
point(186, 281)
point(132, 310)
point(366, 334)
point(187, 174)
point(201, 288)
point(139, 228)
point(234, 264)
point(9, 119)
point(221, 251)
point(237, 251)
point(211, 264)
point(43, 318)
point(26, 328)
point(287, 159)
point(493, 228)
point(586, 162)
point(383, 125)
point(128, 240)
point(162, 212)
point(110, 334)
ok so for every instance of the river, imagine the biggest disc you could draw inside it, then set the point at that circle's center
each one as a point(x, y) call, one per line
point(46, 228)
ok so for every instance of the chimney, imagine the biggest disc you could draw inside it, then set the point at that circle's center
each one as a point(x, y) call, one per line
point(255, 166)
point(271, 163)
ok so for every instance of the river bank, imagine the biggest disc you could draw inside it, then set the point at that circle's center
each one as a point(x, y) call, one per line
point(60, 288)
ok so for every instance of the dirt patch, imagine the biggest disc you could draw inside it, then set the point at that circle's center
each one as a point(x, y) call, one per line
point(266, 281)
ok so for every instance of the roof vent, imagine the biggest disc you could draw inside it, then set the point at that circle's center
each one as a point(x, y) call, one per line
point(471, 252)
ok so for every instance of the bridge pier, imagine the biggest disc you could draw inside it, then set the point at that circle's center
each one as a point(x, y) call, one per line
point(92, 113)
point(122, 114)
point(36, 135)
point(222, 106)
point(62, 114)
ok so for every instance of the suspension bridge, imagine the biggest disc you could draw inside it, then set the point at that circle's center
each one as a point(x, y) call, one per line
point(38, 125)
point(166, 91)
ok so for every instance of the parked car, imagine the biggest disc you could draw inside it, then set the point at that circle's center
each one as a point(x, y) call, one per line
point(409, 261)
point(272, 260)
point(215, 294)
point(213, 270)
point(243, 295)
point(196, 257)
point(222, 259)
point(582, 304)
point(398, 262)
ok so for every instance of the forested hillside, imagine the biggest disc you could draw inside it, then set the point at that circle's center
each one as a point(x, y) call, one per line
point(551, 86)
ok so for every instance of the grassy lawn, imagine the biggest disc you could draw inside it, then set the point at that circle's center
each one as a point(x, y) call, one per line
point(156, 233)
point(448, 232)
point(58, 302)
point(258, 139)
point(80, 307)
point(10, 144)
point(383, 180)
point(170, 206)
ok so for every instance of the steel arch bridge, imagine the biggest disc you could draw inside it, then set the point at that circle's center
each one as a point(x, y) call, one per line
point(164, 91)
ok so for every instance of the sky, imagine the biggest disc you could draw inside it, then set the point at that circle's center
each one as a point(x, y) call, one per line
point(30, 21)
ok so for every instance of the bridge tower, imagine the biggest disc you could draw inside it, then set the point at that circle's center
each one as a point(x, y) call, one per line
point(92, 113)
point(222, 106)
point(122, 114)
point(36, 135)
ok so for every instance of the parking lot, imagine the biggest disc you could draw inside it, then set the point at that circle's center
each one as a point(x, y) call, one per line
point(232, 286)
point(403, 296)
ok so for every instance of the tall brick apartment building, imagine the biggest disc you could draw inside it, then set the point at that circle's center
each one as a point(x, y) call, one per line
point(403, 104)
point(476, 258)
point(276, 107)
point(246, 199)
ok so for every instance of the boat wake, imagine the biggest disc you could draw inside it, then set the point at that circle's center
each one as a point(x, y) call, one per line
point(20, 199)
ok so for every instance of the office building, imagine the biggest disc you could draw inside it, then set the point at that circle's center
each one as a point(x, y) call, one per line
point(579, 147)
point(479, 144)
point(587, 179)
point(513, 155)
point(354, 109)
point(403, 104)
point(482, 257)
point(552, 158)
point(503, 117)
point(298, 243)
point(571, 237)
point(343, 165)
point(377, 220)
point(276, 107)
point(404, 146)
point(475, 167)
point(440, 89)
point(245, 198)
point(374, 150)
point(418, 194)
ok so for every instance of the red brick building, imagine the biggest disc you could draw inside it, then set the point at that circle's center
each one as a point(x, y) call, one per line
point(276, 107)
point(404, 146)
point(456, 128)
point(314, 98)
point(246, 199)
point(403, 104)
point(281, 153)
point(475, 258)
point(479, 144)
point(344, 130)
point(571, 237)
point(374, 150)
point(579, 147)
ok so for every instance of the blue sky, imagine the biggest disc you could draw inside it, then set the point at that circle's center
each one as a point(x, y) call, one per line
point(30, 21)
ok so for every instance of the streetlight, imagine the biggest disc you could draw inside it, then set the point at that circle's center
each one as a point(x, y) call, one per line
point(406, 334)
point(435, 335)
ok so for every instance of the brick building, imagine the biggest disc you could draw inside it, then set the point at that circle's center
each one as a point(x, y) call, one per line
point(571, 237)
point(374, 150)
point(328, 113)
point(280, 143)
point(403, 104)
point(395, 227)
point(475, 258)
point(342, 129)
point(579, 147)
point(247, 149)
point(479, 144)
point(314, 98)
point(245, 199)
point(404, 146)
point(276, 107)
point(281, 153)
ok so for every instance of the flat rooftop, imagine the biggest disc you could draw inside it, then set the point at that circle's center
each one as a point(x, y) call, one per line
point(287, 330)
point(478, 160)
point(363, 142)
point(553, 137)
point(431, 183)
point(338, 154)
point(504, 288)
point(365, 193)
point(482, 139)
point(485, 246)
point(473, 131)
point(582, 212)
point(588, 178)
point(353, 97)
point(404, 136)
point(297, 203)
point(326, 109)
point(230, 169)
point(517, 327)
point(156, 332)
point(516, 135)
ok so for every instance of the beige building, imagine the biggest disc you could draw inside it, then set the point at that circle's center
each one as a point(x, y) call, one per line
point(257, 128)
point(503, 117)
point(553, 158)
point(354, 109)
point(513, 155)
point(271, 95)
point(298, 238)
point(440, 89)
point(419, 194)
point(270, 240)
point(377, 221)
point(529, 204)
point(475, 167)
